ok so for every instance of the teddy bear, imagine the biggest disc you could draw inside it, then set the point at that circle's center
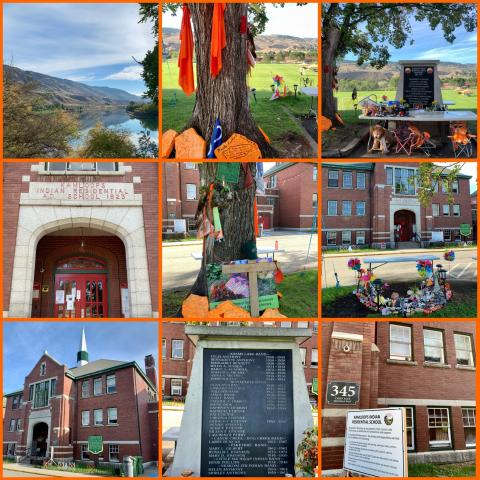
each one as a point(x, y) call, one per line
point(382, 139)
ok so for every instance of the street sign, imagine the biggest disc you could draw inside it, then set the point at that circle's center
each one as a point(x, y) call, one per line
point(376, 442)
point(315, 386)
point(343, 393)
point(465, 229)
point(95, 444)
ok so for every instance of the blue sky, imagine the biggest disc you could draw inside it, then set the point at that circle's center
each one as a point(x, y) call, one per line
point(305, 24)
point(25, 342)
point(87, 42)
point(430, 45)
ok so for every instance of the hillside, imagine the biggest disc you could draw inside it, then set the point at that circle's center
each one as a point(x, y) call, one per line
point(68, 92)
point(263, 43)
point(351, 71)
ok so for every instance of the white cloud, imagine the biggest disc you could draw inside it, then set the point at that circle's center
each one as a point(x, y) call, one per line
point(81, 78)
point(451, 53)
point(128, 73)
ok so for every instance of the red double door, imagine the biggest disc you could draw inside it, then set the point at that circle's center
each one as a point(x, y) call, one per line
point(81, 295)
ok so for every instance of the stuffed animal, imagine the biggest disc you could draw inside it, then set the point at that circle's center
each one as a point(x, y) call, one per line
point(382, 139)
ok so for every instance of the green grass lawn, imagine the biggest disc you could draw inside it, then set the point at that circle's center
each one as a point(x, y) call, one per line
point(269, 115)
point(299, 300)
point(450, 470)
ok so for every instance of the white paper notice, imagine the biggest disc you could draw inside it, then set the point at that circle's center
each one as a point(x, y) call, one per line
point(59, 297)
point(375, 443)
point(70, 300)
point(78, 294)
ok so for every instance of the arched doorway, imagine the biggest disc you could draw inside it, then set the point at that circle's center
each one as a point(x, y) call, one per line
point(40, 440)
point(404, 225)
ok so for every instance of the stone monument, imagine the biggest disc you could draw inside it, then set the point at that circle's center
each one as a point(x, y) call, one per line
point(247, 404)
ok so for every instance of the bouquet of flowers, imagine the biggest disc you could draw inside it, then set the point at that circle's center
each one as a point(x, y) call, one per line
point(425, 268)
point(449, 256)
point(354, 264)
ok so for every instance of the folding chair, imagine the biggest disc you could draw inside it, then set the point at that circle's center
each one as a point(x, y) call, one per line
point(461, 139)
point(404, 138)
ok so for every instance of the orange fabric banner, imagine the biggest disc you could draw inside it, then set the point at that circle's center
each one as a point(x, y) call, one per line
point(218, 40)
point(255, 217)
point(185, 55)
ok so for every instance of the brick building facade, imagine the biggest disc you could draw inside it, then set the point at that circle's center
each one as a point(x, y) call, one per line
point(377, 203)
point(426, 367)
point(61, 407)
point(80, 239)
point(289, 201)
point(178, 353)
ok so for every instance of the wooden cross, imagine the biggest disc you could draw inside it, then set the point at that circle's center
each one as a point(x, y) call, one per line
point(253, 269)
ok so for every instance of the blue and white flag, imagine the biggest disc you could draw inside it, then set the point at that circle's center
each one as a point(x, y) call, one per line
point(216, 140)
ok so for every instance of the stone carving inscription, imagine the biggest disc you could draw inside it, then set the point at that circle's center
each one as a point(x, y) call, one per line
point(80, 191)
point(247, 419)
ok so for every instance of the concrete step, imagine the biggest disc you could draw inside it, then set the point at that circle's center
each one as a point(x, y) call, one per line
point(408, 245)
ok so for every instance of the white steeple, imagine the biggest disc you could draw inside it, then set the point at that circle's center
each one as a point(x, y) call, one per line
point(82, 355)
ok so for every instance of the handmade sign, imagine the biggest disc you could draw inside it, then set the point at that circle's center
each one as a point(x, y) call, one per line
point(238, 147)
point(190, 144)
point(228, 172)
point(248, 284)
point(168, 142)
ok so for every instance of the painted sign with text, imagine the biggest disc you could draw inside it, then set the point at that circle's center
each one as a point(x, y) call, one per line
point(81, 191)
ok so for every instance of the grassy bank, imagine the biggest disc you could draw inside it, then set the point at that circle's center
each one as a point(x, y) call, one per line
point(449, 470)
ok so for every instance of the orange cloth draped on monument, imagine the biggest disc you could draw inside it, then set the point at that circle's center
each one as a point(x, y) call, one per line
point(218, 40)
point(185, 56)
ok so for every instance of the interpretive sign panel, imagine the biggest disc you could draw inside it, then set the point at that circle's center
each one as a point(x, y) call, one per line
point(376, 442)
point(247, 413)
point(343, 393)
point(418, 84)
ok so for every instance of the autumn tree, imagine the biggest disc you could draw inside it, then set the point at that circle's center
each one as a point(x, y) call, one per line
point(366, 30)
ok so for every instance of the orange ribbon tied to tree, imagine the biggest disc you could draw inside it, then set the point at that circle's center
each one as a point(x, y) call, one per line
point(185, 56)
point(218, 39)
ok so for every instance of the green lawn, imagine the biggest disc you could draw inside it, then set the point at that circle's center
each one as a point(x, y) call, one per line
point(270, 116)
point(450, 470)
point(299, 300)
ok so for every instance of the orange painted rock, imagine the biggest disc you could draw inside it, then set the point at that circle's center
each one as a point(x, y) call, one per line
point(190, 144)
point(168, 142)
point(195, 306)
point(228, 310)
point(238, 147)
point(272, 313)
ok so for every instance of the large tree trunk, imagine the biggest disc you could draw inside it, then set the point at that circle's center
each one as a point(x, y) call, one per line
point(237, 224)
point(331, 38)
point(225, 96)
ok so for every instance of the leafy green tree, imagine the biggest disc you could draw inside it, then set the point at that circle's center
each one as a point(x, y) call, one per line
point(149, 13)
point(30, 128)
point(366, 30)
point(102, 142)
point(430, 178)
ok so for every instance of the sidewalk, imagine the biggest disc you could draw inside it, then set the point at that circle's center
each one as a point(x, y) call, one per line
point(417, 251)
point(15, 467)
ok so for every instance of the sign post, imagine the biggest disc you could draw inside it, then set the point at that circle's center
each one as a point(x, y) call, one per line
point(376, 442)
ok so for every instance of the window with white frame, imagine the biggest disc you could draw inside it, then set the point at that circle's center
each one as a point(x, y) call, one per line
point(85, 454)
point(314, 359)
point(53, 387)
point(111, 384)
point(314, 200)
point(163, 385)
point(347, 208)
point(389, 172)
point(464, 349)
point(331, 238)
point(113, 452)
point(360, 208)
point(190, 166)
point(302, 324)
point(331, 207)
point(470, 426)
point(333, 178)
point(404, 179)
point(11, 427)
point(112, 416)
point(315, 173)
point(176, 387)
point(43, 369)
point(444, 185)
point(81, 166)
point(347, 180)
point(85, 418)
point(455, 186)
point(15, 402)
point(97, 386)
point(361, 180)
point(439, 427)
point(446, 210)
point(435, 209)
point(177, 349)
point(433, 346)
point(410, 428)
point(191, 191)
point(303, 356)
point(164, 348)
point(315, 327)
point(98, 417)
point(401, 342)
point(85, 388)
point(11, 449)
point(272, 182)
point(456, 210)
point(360, 237)
point(19, 424)
point(346, 237)
point(286, 324)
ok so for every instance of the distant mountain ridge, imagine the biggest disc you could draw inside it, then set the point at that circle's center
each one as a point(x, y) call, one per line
point(68, 92)
point(263, 43)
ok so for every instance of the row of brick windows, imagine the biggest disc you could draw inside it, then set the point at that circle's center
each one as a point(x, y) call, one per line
point(113, 452)
point(110, 386)
point(347, 208)
point(401, 345)
point(112, 417)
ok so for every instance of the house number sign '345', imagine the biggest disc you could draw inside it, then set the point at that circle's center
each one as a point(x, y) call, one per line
point(343, 393)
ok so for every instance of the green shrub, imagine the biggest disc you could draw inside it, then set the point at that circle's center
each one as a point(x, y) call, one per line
point(104, 142)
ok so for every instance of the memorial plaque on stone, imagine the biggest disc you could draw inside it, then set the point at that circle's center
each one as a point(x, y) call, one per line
point(418, 84)
point(247, 413)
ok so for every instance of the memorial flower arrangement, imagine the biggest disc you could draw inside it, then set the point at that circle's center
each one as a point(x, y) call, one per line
point(449, 256)
point(355, 264)
point(307, 453)
point(425, 268)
